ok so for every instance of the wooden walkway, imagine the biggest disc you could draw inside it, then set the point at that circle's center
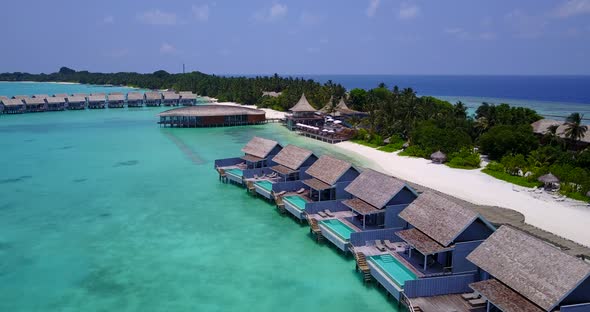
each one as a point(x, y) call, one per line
point(446, 303)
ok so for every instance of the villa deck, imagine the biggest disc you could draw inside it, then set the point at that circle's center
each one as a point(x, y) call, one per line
point(443, 303)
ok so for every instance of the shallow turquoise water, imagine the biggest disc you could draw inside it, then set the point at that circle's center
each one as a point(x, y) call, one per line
point(296, 200)
point(396, 271)
point(105, 211)
point(339, 227)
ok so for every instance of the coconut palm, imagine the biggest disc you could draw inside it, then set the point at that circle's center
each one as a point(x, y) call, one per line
point(575, 130)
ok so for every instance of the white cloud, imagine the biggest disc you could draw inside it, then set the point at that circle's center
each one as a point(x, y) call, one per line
point(201, 12)
point(157, 17)
point(108, 20)
point(408, 11)
point(275, 12)
point(373, 6)
point(572, 8)
point(167, 48)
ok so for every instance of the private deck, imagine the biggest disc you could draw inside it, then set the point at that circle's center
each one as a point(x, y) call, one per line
point(443, 303)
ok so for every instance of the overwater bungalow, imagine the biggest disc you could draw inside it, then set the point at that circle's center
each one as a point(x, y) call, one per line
point(20, 97)
point(56, 103)
point(135, 99)
point(519, 272)
point(35, 104)
point(328, 178)
point(62, 95)
point(375, 203)
point(84, 95)
point(188, 99)
point(99, 94)
point(288, 165)
point(211, 116)
point(258, 153)
point(116, 101)
point(97, 101)
point(76, 102)
point(303, 113)
point(170, 99)
point(116, 93)
point(153, 99)
point(40, 96)
point(14, 106)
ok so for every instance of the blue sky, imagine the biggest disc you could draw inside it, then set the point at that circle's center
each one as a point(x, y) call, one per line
point(298, 37)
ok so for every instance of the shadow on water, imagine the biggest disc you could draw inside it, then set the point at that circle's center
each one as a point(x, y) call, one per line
point(15, 180)
point(102, 283)
point(80, 180)
point(126, 163)
point(185, 149)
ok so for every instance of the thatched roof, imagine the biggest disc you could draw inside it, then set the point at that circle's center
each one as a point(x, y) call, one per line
point(55, 100)
point(116, 93)
point(533, 268)
point(542, 126)
point(2, 97)
point(251, 158)
point(188, 96)
point(13, 102)
point(440, 156)
point(344, 109)
point(41, 96)
point(171, 96)
point(438, 217)
point(548, 178)
point(80, 94)
point(328, 108)
point(375, 187)
point(153, 96)
point(134, 96)
point(21, 97)
point(361, 206)
point(302, 106)
point(63, 95)
point(259, 147)
point(96, 98)
point(212, 110)
point(98, 94)
point(503, 297)
point(317, 184)
point(116, 97)
point(420, 241)
point(34, 101)
point(76, 99)
point(328, 169)
point(283, 170)
point(271, 93)
point(292, 156)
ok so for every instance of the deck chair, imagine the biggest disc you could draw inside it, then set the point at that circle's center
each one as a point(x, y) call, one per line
point(328, 212)
point(470, 296)
point(255, 176)
point(301, 190)
point(322, 214)
point(380, 245)
point(281, 193)
point(389, 245)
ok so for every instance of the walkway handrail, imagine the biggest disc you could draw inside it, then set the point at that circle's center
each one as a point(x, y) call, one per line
point(406, 300)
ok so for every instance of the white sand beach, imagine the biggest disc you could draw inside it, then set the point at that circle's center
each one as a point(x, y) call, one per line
point(569, 219)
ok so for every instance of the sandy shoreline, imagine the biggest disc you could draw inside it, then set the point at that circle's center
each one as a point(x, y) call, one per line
point(568, 219)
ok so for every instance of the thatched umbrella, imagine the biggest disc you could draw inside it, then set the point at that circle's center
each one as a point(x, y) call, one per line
point(588, 194)
point(438, 157)
point(548, 179)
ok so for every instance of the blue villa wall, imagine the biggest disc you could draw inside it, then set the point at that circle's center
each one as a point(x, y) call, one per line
point(349, 175)
point(579, 295)
point(460, 263)
point(405, 196)
point(476, 231)
point(584, 307)
point(340, 192)
point(436, 286)
point(392, 219)
point(332, 205)
point(288, 186)
point(309, 161)
point(227, 162)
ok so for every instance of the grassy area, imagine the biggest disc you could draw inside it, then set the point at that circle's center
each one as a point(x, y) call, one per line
point(577, 196)
point(522, 181)
point(365, 143)
point(385, 148)
point(454, 166)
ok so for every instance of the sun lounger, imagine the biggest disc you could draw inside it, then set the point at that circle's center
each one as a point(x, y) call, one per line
point(380, 245)
point(389, 245)
point(470, 296)
point(301, 190)
point(477, 302)
point(322, 214)
point(328, 212)
point(256, 176)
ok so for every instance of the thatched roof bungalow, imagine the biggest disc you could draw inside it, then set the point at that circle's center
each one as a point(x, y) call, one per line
point(378, 198)
point(97, 101)
point(303, 113)
point(170, 98)
point(153, 99)
point(187, 99)
point(259, 150)
point(14, 106)
point(20, 97)
point(84, 95)
point(62, 95)
point(56, 103)
point(541, 127)
point(443, 231)
point(99, 94)
point(524, 273)
point(41, 96)
point(35, 104)
point(290, 160)
point(116, 100)
point(328, 178)
point(342, 110)
point(76, 102)
point(135, 99)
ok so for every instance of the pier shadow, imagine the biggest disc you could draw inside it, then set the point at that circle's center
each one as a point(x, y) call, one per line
point(126, 163)
point(79, 180)
point(15, 180)
point(185, 149)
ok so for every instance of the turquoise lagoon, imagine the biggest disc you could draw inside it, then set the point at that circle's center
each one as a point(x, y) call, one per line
point(106, 211)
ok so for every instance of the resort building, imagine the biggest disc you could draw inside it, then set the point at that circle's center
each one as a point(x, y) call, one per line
point(211, 116)
point(258, 153)
point(170, 98)
point(116, 100)
point(35, 104)
point(542, 127)
point(153, 99)
point(342, 110)
point(328, 177)
point(187, 99)
point(56, 103)
point(287, 166)
point(303, 113)
point(76, 102)
point(519, 272)
point(134, 99)
point(96, 101)
point(14, 106)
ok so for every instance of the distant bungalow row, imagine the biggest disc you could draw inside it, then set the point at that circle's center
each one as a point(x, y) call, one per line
point(428, 252)
point(42, 102)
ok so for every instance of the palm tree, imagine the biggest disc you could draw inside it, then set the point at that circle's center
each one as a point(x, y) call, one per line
point(575, 130)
